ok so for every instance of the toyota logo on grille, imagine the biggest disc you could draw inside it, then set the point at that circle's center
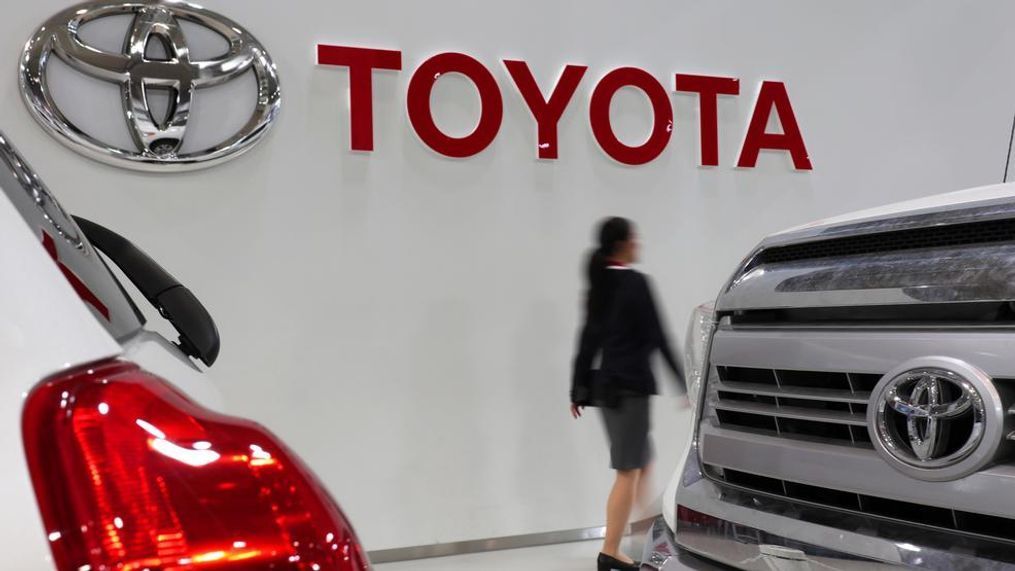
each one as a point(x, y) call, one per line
point(158, 143)
point(937, 420)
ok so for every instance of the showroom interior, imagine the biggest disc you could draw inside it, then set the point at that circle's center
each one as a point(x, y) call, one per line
point(309, 285)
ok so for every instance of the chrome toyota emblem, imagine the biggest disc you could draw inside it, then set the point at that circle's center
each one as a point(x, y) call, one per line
point(936, 421)
point(932, 404)
point(158, 142)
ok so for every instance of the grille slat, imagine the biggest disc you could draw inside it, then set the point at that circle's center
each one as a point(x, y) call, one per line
point(833, 395)
point(828, 408)
point(811, 405)
point(988, 232)
point(793, 412)
point(927, 516)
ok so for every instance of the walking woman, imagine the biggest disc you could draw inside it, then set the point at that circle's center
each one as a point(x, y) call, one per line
point(622, 329)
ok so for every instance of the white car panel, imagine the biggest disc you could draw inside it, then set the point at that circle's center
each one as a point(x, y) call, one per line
point(45, 329)
point(157, 355)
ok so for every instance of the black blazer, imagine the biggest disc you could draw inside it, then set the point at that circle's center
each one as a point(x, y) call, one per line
point(625, 336)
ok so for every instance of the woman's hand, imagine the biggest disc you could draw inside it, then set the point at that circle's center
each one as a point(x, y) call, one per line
point(576, 411)
point(683, 402)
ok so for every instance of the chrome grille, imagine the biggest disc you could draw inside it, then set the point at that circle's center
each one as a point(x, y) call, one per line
point(786, 415)
point(928, 516)
point(951, 235)
point(830, 406)
point(807, 328)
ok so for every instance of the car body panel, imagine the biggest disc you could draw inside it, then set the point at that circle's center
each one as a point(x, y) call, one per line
point(945, 202)
point(48, 328)
point(45, 329)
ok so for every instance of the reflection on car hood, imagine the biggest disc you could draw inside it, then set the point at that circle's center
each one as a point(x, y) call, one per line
point(975, 204)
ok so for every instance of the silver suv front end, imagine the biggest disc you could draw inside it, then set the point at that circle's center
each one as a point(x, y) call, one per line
point(859, 405)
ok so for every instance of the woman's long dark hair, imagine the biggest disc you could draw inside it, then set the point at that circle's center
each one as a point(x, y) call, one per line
point(612, 232)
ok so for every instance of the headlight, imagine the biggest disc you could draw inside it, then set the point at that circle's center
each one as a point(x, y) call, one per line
point(699, 333)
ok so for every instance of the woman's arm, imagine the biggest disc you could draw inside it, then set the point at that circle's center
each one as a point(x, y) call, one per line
point(661, 339)
point(589, 344)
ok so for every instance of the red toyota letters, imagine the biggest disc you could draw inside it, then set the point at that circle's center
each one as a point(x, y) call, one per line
point(547, 111)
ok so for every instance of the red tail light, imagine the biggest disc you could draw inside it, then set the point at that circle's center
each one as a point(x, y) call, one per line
point(131, 474)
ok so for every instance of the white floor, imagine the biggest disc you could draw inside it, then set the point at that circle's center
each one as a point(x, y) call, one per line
point(565, 557)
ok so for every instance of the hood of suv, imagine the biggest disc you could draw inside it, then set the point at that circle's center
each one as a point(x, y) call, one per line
point(974, 204)
point(956, 248)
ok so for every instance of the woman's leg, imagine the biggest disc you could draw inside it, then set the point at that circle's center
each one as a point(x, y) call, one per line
point(618, 511)
point(644, 489)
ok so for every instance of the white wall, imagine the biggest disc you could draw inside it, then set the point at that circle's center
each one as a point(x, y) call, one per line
point(406, 321)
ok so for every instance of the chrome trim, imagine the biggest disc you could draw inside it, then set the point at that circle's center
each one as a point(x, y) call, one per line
point(930, 275)
point(859, 397)
point(861, 351)
point(783, 401)
point(661, 553)
point(46, 204)
point(726, 543)
point(960, 274)
point(41, 211)
point(746, 521)
point(158, 143)
point(854, 469)
point(978, 211)
point(815, 415)
point(917, 453)
point(797, 524)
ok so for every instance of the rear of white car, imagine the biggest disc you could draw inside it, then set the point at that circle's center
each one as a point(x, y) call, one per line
point(114, 457)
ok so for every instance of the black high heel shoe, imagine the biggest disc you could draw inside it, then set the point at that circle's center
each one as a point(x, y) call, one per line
point(607, 563)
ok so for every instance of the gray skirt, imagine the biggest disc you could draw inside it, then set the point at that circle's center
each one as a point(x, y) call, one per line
point(627, 426)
